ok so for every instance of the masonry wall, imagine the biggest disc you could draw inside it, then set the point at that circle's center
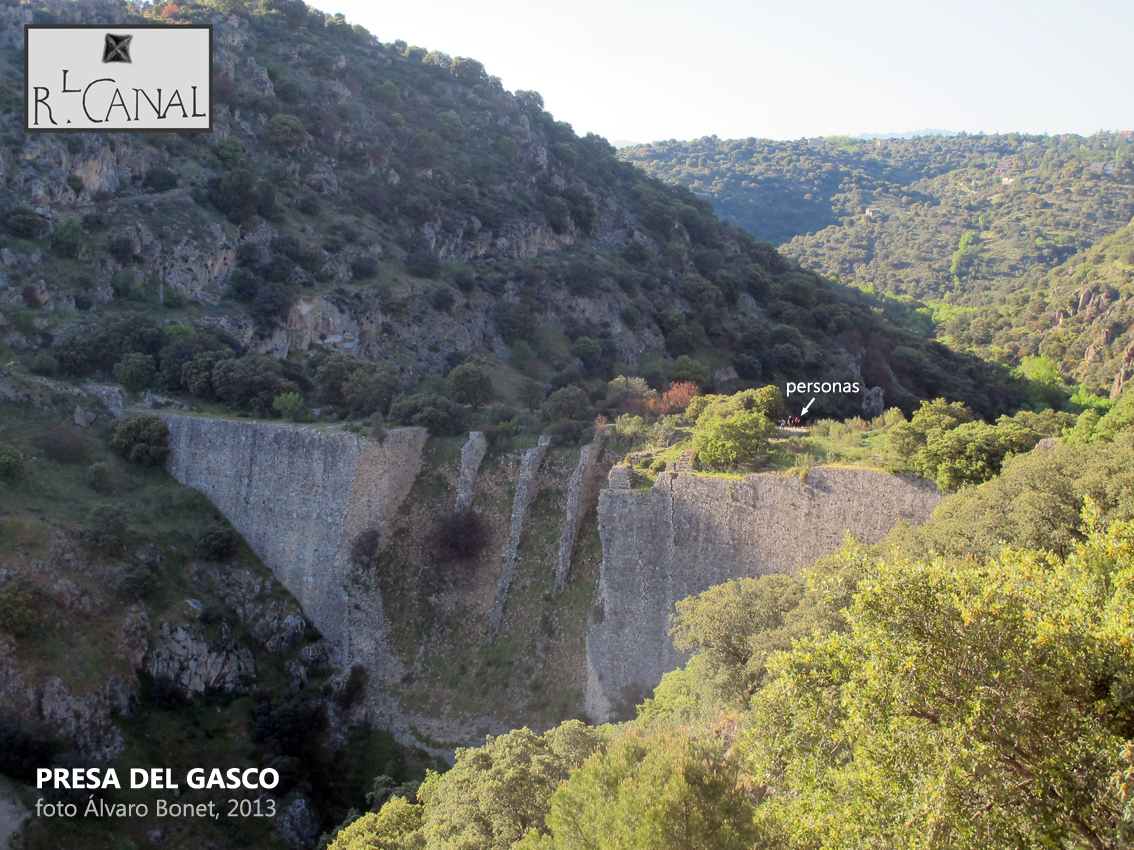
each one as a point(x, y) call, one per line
point(300, 496)
point(691, 532)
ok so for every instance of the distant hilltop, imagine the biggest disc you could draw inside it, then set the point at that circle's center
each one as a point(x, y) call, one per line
point(908, 134)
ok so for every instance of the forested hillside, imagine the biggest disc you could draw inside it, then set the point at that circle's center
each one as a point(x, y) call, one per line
point(398, 204)
point(946, 224)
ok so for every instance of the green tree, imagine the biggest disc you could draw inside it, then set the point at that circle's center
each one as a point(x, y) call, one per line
point(11, 464)
point(567, 403)
point(985, 702)
point(733, 441)
point(135, 371)
point(288, 405)
point(284, 133)
point(108, 529)
point(665, 789)
point(469, 384)
point(142, 439)
point(398, 826)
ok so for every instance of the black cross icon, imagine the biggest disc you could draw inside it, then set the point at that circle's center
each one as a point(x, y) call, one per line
point(117, 48)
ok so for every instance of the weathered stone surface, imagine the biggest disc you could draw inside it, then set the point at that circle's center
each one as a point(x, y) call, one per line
point(691, 532)
point(573, 516)
point(300, 496)
point(276, 623)
point(525, 492)
point(84, 418)
point(199, 667)
point(471, 456)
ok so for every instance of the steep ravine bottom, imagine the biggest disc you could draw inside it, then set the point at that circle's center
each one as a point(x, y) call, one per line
point(463, 632)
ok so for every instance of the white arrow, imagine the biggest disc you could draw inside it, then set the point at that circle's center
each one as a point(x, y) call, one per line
point(807, 407)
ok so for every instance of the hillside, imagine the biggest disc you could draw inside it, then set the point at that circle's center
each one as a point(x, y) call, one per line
point(943, 223)
point(399, 205)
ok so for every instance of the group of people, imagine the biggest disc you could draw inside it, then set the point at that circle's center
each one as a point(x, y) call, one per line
point(791, 422)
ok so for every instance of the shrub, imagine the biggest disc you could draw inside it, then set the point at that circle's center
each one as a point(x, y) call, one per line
point(428, 410)
point(63, 444)
point(284, 133)
point(20, 601)
point(11, 464)
point(137, 581)
point(160, 180)
point(733, 441)
point(288, 405)
point(135, 371)
point(107, 528)
point(44, 364)
point(252, 382)
point(364, 267)
point(100, 478)
point(121, 248)
point(74, 183)
point(23, 222)
point(423, 263)
point(141, 439)
point(67, 240)
point(462, 535)
point(218, 542)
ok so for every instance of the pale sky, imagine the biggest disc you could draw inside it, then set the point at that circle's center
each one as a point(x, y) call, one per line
point(648, 71)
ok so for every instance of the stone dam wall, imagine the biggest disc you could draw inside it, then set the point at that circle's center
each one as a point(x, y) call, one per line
point(300, 496)
point(691, 532)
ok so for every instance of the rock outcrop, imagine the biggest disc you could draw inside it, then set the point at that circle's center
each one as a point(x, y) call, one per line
point(691, 532)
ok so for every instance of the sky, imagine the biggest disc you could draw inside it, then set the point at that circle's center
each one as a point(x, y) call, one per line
point(649, 71)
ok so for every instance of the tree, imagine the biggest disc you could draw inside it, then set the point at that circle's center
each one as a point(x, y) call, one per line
point(734, 441)
point(284, 133)
point(496, 794)
point(569, 402)
point(288, 405)
point(469, 384)
point(666, 789)
point(398, 826)
point(108, 529)
point(972, 704)
point(11, 463)
point(143, 439)
point(135, 371)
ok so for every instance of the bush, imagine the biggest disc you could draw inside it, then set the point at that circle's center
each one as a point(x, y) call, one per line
point(160, 180)
point(44, 364)
point(143, 440)
point(137, 581)
point(733, 441)
point(288, 405)
point(20, 601)
point(107, 528)
point(252, 382)
point(23, 222)
point(67, 240)
point(103, 346)
point(11, 464)
point(428, 410)
point(462, 535)
point(63, 444)
point(135, 372)
point(423, 263)
point(364, 267)
point(217, 543)
point(100, 479)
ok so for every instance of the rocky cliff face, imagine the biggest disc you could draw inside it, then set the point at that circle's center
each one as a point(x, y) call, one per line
point(691, 532)
point(301, 496)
